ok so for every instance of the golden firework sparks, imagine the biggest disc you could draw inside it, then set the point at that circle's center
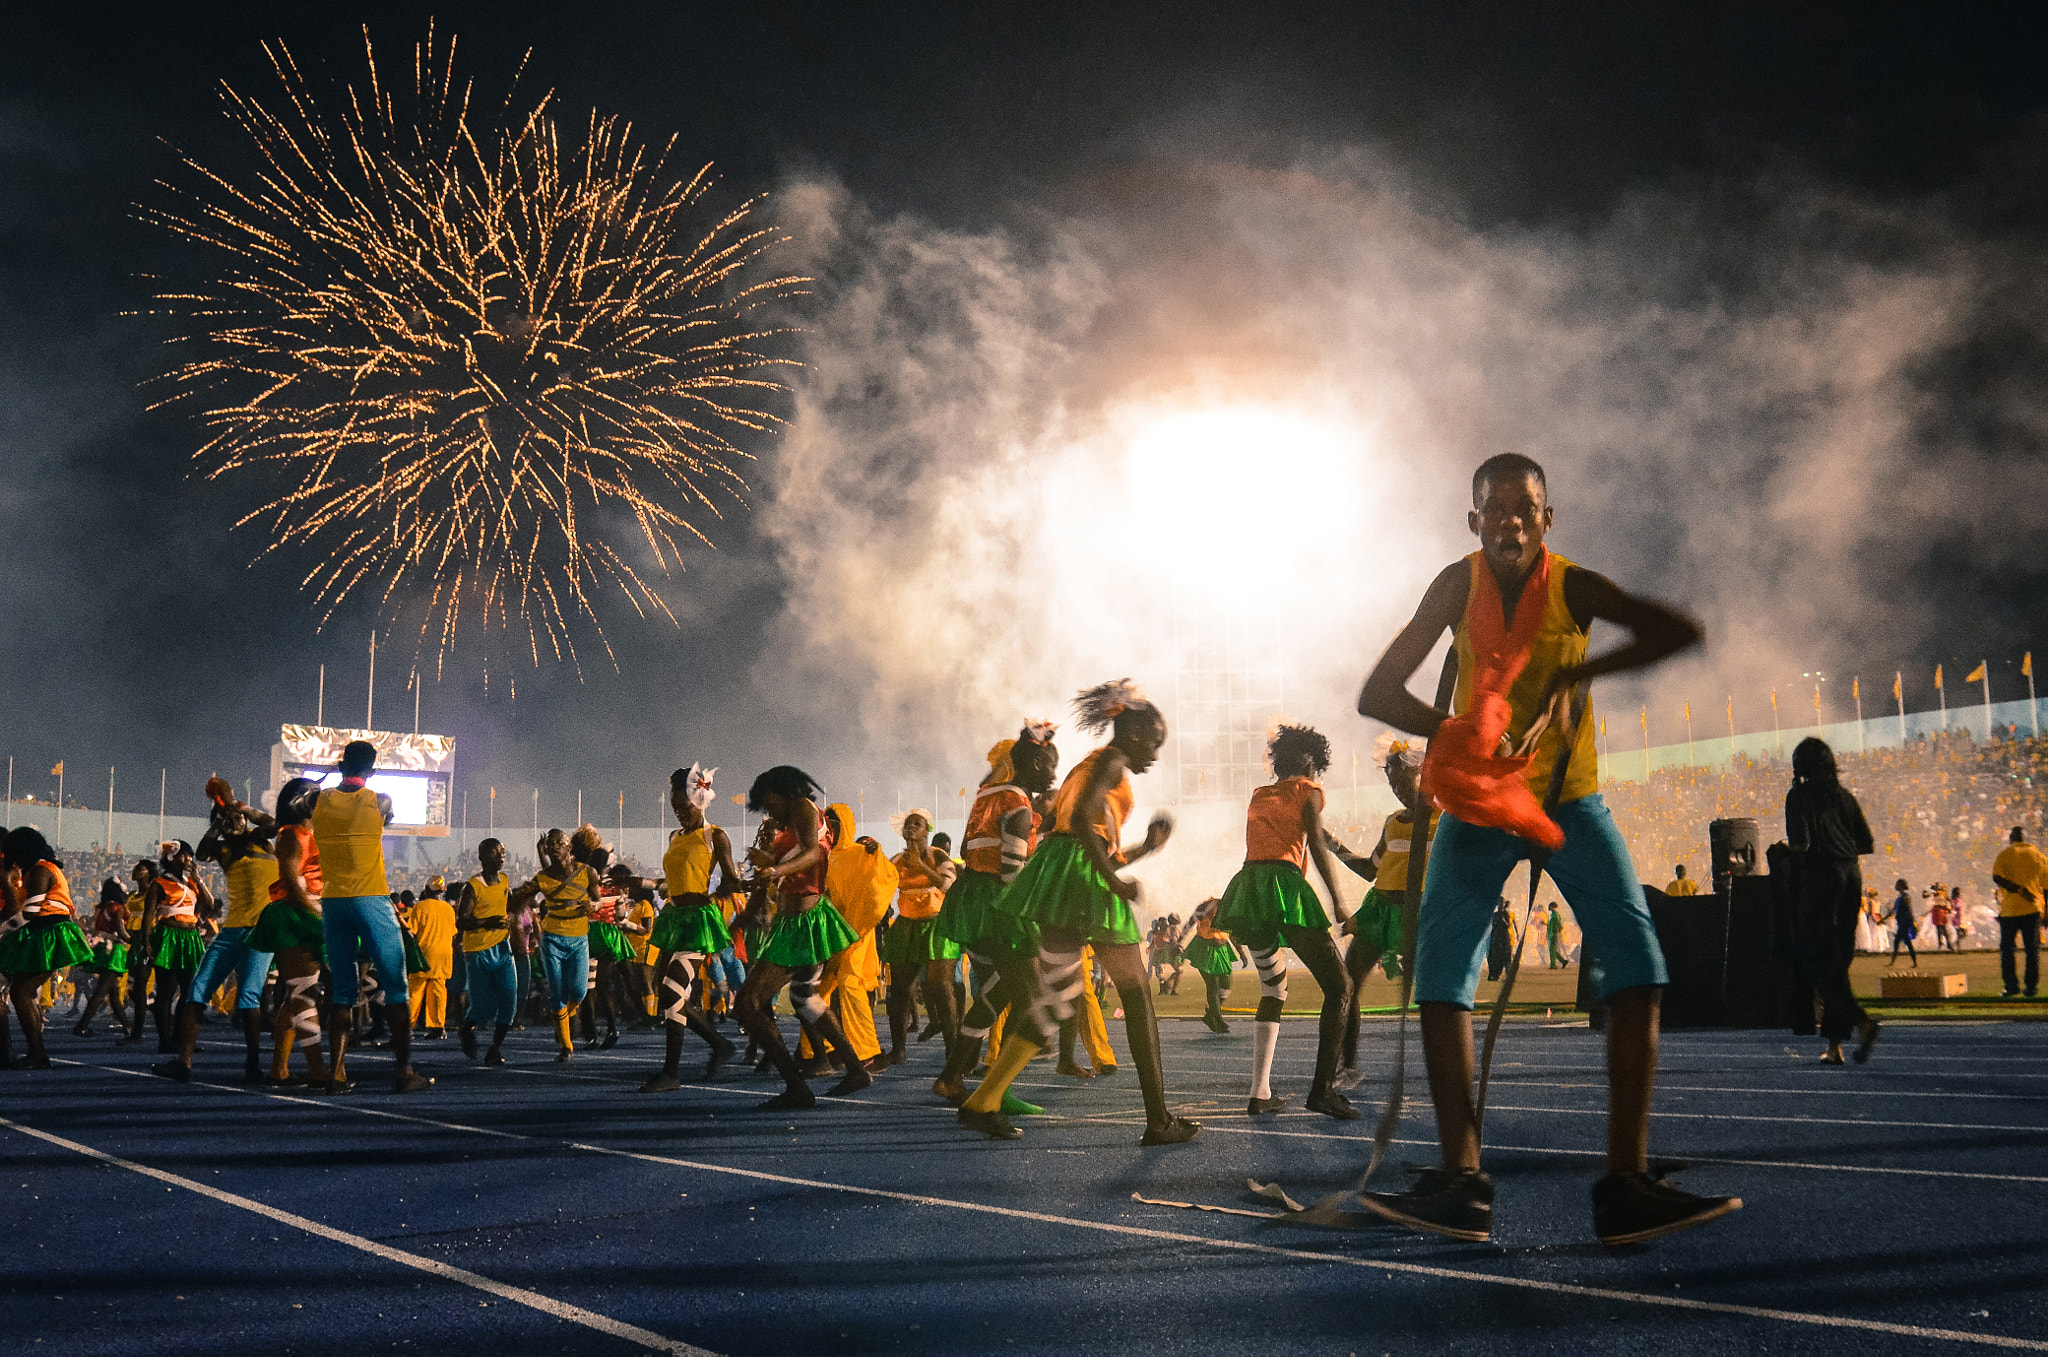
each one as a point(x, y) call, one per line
point(477, 370)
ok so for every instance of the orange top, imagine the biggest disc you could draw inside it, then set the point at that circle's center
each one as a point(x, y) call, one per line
point(605, 908)
point(1116, 806)
point(181, 902)
point(984, 846)
point(918, 895)
point(1272, 824)
point(811, 880)
point(1206, 928)
point(309, 862)
point(54, 901)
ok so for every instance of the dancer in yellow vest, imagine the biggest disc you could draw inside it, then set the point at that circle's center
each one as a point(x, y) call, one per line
point(492, 975)
point(1524, 614)
point(356, 914)
point(1073, 893)
point(690, 926)
point(39, 935)
point(238, 839)
point(562, 889)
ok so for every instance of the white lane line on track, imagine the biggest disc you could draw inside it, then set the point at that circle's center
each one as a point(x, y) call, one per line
point(1208, 1126)
point(1382, 1264)
point(518, 1295)
point(1417, 1269)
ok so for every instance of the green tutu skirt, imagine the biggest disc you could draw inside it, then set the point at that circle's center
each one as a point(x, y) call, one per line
point(284, 925)
point(178, 949)
point(1209, 956)
point(110, 958)
point(48, 944)
point(811, 938)
point(1059, 890)
point(970, 920)
point(691, 930)
point(1377, 928)
point(1262, 897)
point(913, 942)
point(608, 942)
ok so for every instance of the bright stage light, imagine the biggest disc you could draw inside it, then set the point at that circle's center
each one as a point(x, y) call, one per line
point(1207, 484)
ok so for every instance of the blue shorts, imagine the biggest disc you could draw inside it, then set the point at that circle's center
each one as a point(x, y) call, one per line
point(565, 962)
point(227, 953)
point(351, 924)
point(1467, 867)
point(493, 985)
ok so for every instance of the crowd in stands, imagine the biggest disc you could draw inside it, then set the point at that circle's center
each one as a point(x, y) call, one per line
point(1939, 807)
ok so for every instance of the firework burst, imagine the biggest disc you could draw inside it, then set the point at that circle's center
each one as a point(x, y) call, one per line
point(489, 373)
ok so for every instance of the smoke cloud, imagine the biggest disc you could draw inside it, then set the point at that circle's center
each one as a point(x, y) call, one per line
point(1732, 398)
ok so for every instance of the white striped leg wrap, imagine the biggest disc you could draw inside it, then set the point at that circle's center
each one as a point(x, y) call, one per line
point(980, 1018)
point(1059, 985)
point(803, 993)
point(298, 1001)
point(677, 979)
point(1272, 975)
point(367, 985)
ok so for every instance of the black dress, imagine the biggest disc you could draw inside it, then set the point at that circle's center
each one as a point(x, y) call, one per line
point(1826, 831)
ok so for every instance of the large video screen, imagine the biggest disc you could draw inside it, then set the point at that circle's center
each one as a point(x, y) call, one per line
point(416, 771)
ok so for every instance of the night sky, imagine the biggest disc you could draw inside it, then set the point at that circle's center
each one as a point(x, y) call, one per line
point(1910, 137)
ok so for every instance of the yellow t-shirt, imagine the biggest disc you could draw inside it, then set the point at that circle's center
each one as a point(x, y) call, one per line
point(641, 916)
point(249, 880)
point(348, 829)
point(133, 905)
point(565, 905)
point(2023, 865)
point(1682, 886)
point(433, 928)
point(488, 902)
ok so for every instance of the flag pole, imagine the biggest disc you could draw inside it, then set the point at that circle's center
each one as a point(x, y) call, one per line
point(320, 699)
point(370, 693)
point(1731, 729)
point(2026, 667)
point(1777, 735)
point(1688, 733)
point(162, 786)
point(1984, 672)
point(109, 845)
point(1646, 744)
point(60, 803)
point(1942, 693)
point(1856, 691)
point(1899, 695)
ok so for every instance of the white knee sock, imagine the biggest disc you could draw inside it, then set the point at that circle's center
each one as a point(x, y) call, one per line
point(1265, 1040)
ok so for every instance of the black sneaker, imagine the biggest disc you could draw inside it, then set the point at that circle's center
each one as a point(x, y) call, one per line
point(1455, 1205)
point(1629, 1208)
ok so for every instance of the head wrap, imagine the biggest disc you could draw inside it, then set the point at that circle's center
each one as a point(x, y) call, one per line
point(219, 790)
point(699, 784)
point(901, 817)
point(999, 764)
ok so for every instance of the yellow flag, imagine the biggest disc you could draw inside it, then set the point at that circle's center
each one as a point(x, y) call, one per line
point(1774, 699)
point(1688, 711)
point(1646, 720)
point(1937, 678)
point(738, 799)
point(1603, 727)
point(1898, 686)
point(2027, 665)
point(1856, 690)
point(1975, 674)
point(58, 771)
point(1816, 699)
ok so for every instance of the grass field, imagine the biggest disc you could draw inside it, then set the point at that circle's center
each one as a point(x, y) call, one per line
point(1538, 987)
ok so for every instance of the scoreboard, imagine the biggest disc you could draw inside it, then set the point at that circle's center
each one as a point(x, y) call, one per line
point(416, 771)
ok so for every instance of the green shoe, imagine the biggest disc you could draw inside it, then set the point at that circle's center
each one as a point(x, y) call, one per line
point(1014, 1106)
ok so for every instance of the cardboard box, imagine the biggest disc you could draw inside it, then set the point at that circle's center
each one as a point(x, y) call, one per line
point(1921, 985)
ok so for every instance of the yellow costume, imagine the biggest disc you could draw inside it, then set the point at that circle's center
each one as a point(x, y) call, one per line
point(433, 928)
point(861, 882)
